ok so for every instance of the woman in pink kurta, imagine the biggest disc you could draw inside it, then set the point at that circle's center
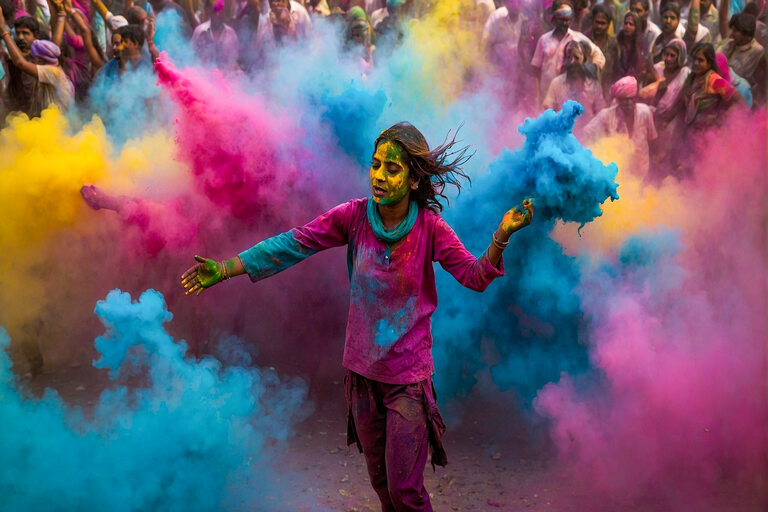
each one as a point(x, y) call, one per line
point(393, 238)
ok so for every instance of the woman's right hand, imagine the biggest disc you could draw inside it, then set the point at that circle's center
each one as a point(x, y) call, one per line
point(201, 276)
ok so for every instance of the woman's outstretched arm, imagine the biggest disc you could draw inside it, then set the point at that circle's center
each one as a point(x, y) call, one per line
point(264, 259)
point(476, 273)
point(277, 253)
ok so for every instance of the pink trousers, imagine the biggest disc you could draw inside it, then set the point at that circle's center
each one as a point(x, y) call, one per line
point(396, 426)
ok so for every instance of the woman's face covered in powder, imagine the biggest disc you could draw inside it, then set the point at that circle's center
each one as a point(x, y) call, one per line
point(390, 182)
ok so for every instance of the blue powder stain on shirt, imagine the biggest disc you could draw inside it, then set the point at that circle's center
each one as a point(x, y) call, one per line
point(391, 329)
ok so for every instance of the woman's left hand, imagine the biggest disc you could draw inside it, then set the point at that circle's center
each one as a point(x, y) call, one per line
point(516, 219)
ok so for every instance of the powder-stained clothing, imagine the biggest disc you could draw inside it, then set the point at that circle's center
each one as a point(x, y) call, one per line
point(264, 40)
point(705, 98)
point(671, 90)
point(670, 125)
point(55, 87)
point(702, 36)
point(501, 37)
point(378, 16)
point(393, 293)
point(742, 86)
point(79, 65)
point(550, 55)
point(218, 46)
point(618, 10)
point(111, 70)
point(589, 94)
point(749, 62)
point(396, 426)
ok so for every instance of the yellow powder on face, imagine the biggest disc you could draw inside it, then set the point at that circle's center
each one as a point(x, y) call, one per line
point(396, 184)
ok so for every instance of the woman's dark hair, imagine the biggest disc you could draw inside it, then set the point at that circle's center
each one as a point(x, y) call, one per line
point(602, 9)
point(29, 23)
point(586, 48)
point(670, 6)
point(646, 7)
point(638, 30)
point(708, 52)
point(432, 168)
point(645, 3)
point(572, 43)
point(744, 23)
point(635, 56)
point(9, 10)
point(575, 72)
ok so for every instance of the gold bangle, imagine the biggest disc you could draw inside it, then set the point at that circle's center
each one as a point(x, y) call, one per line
point(499, 245)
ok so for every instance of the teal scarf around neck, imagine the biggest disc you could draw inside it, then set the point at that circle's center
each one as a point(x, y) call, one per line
point(402, 229)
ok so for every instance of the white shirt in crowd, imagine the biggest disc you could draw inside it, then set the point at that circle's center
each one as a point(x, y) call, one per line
point(58, 88)
point(500, 30)
point(550, 55)
point(301, 19)
point(702, 35)
point(607, 123)
point(265, 37)
point(372, 6)
point(652, 31)
point(590, 96)
point(378, 16)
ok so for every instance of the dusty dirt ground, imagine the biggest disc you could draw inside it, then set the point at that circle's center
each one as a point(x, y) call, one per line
point(496, 463)
point(484, 473)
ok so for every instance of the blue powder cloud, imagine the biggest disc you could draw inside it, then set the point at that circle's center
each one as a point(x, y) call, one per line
point(130, 106)
point(352, 116)
point(192, 438)
point(527, 327)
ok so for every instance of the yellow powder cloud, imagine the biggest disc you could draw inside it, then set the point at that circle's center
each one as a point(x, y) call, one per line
point(642, 207)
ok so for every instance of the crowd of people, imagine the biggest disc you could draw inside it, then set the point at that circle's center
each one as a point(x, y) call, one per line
point(657, 71)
